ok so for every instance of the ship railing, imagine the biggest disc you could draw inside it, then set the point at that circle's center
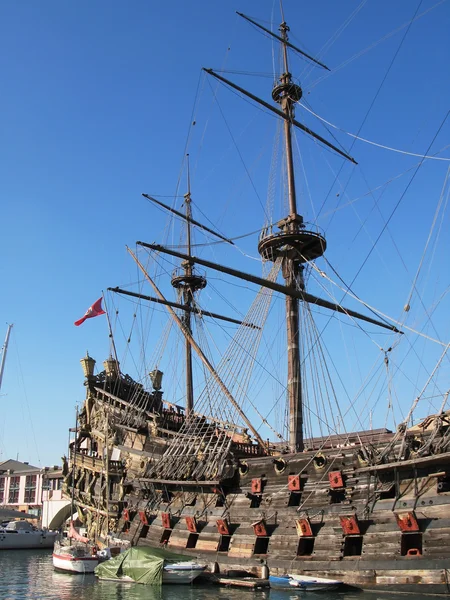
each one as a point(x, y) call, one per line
point(180, 272)
point(269, 233)
point(94, 463)
point(248, 449)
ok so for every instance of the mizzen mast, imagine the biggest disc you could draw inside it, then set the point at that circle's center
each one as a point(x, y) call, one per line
point(187, 281)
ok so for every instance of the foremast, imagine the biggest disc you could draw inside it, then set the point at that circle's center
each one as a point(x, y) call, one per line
point(188, 282)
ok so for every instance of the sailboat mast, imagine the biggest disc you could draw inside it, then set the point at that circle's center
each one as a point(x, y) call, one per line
point(188, 282)
point(4, 351)
point(74, 470)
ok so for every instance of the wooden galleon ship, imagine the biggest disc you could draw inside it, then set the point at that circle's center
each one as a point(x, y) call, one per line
point(207, 473)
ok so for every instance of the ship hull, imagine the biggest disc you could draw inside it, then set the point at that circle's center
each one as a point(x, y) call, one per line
point(371, 509)
point(384, 550)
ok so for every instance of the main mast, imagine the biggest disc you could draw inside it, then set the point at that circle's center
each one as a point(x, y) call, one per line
point(186, 280)
point(295, 245)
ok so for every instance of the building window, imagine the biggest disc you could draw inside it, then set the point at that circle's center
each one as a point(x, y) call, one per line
point(14, 486)
point(2, 490)
point(30, 489)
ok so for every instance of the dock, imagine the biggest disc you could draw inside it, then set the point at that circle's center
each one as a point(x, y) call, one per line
point(254, 583)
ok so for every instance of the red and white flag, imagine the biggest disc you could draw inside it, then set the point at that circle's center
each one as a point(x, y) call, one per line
point(93, 311)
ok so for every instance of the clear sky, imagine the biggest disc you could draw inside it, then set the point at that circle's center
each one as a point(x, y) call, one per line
point(96, 102)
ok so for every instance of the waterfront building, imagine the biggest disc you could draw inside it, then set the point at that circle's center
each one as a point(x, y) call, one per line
point(33, 490)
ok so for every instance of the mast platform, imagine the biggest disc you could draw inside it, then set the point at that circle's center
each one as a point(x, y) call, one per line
point(185, 280)
point(298, 245)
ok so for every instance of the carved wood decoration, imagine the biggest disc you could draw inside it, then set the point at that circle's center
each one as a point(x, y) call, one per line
point(407, 522)
point(165, 518)
point(260, 529)
point(349, 524)
point(294, 483)
point(191, 524)
point(143, 517)
point(222, 527)
point(336, 479)
point(256, 486)
point(303, 527)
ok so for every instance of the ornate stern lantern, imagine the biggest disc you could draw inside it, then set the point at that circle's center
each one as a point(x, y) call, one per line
point(156, 377)
point(88, 364)
point(111, 367)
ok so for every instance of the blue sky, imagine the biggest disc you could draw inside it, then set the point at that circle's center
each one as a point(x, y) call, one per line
point(96, 103)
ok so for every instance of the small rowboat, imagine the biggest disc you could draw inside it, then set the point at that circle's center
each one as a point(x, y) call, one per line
point(304, 583)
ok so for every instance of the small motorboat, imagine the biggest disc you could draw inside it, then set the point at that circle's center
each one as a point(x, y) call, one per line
point(182, 572)
point(303, 582)
point(75, 557)
point(151, 566)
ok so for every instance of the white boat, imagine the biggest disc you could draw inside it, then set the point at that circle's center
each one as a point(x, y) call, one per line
point(307, 583)
point(75, 558)
point(304, 583)
point(22, 535)
point(182, 572)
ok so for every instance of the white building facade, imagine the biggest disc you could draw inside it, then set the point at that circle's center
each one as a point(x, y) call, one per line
point(24, 487)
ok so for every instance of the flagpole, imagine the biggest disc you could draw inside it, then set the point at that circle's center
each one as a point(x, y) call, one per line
point(110, 329)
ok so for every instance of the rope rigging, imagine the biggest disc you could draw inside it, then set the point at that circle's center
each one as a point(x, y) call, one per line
point(204, 446)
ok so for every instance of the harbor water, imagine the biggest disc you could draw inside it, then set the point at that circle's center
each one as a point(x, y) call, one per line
point(29, 574)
